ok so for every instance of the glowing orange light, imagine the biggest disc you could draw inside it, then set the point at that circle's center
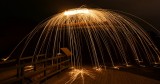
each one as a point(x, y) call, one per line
point(4, 59)
point(76, 11)
point(76, 73)
point(28, 67)
point(115, 67)
point(98, 68)
point(128, 65)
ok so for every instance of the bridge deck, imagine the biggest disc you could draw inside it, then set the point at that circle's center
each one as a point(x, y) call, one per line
point(108, 76)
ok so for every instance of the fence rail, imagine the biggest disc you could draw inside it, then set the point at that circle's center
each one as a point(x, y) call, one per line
point(32, 72)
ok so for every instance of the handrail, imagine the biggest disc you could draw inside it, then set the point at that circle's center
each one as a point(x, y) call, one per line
point(8, 61)
point(20, 75)
point(22, 65)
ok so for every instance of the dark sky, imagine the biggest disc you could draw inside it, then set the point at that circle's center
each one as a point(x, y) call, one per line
point(19, 17)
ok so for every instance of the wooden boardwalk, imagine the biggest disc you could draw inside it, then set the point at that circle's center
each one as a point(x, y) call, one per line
point(108, 76)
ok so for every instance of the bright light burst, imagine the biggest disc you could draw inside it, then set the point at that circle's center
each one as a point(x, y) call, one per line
point(77, 11)
point(79, 73)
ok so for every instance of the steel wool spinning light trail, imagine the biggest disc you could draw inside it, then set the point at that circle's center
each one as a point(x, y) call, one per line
point(100, 36)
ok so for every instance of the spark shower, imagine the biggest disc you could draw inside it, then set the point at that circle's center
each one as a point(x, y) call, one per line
point(100, 37)
point(103, 36)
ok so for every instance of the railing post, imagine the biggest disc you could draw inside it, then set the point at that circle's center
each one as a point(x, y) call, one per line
point(20, 71)
point(22, 74)
point(34, 61)
point(45, 68)
point(59, 62)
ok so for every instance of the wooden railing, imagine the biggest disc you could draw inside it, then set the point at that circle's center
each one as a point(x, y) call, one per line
point(12, 72)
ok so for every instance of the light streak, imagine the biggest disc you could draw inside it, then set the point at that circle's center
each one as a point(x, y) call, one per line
point(28, 67)
point(103, 32)
point(4, 59)
point(103, 35)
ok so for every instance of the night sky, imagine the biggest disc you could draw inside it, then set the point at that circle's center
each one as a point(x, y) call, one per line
point(19, 17)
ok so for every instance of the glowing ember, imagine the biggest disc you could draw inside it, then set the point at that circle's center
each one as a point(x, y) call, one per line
point(98, 68)
point(28, 67)
point(76, 73)
point(128, 65)
point(4, 59)
point(76, 11)
point(115, 67)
